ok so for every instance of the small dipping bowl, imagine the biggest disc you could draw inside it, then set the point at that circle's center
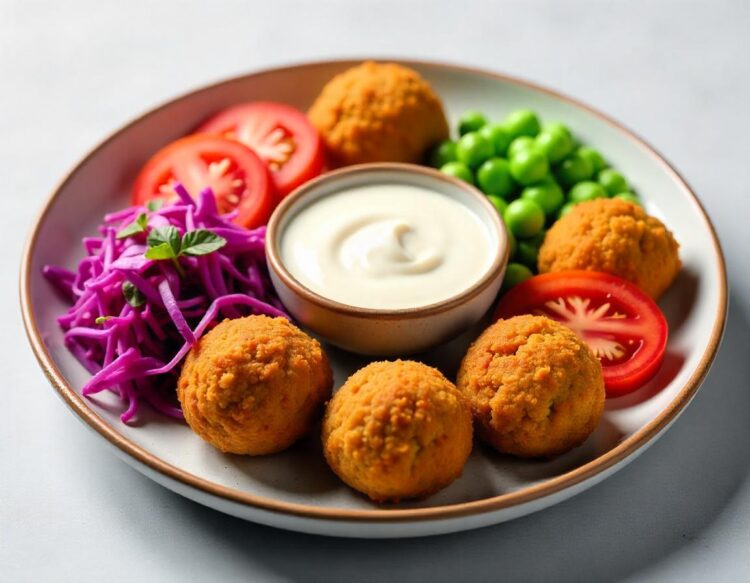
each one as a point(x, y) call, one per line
point(384, 331)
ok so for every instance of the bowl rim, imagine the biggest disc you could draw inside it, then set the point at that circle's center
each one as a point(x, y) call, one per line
point(549, 487)
point(274, 234)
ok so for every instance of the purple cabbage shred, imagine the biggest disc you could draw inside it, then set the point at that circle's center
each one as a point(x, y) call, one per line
point(134, 349)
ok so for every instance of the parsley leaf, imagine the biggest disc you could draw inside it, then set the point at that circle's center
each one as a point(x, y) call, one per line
point(166, 243)
point(201, 242)
point(132, 294)
point(155, 204)
point(161, 251)
point(138, 226)
point(165, 235)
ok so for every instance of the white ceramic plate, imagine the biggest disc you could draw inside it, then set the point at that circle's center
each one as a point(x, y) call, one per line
point(295, 489)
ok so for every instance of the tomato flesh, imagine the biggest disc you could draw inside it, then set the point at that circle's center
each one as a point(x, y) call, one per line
point(279, 134)
point(237, 177)
point(623, 326)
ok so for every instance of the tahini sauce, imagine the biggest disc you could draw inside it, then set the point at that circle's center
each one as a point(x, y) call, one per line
point(387, 246)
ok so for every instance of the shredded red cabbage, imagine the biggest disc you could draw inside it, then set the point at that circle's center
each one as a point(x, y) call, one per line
point(134, 348)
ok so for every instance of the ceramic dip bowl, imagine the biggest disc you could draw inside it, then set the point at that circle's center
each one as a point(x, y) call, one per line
point(384, 331)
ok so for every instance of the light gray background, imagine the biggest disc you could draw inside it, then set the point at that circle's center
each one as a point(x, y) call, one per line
point(678, 73)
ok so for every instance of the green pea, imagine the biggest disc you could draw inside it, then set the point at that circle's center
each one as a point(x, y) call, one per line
point(574, 169)
point(529, 166)
point(630, 197)
point(472, 149)
point(522, 122)
point(443, 153)
point(498, 136)
point(493, 177)
point(546, 194)
point(519, 145)
point(557, 127)
point(594, 157)
point(471, 121)
point(524, 218)
point(458, 170)
point(565, 209)
point(586, 190)
point(612, 181)
point(516, 273)
point(527, 254)
point(555, 142)
point(499, 203)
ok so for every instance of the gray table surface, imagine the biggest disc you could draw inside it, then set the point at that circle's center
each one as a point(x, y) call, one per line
point(676, 72)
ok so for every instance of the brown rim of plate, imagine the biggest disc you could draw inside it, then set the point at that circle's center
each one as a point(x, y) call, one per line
point(546, 488)
point(273, 253)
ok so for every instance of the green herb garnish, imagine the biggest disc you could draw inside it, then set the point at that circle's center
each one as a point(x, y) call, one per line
point(155, 204)
point(139, 225)
point(132, 295)
point(165, 243)
point(201, 242)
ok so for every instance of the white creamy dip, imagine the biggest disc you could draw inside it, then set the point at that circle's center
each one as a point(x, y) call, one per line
point(388, 245)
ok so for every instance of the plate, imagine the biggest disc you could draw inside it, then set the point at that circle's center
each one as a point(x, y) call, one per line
point(295, 489)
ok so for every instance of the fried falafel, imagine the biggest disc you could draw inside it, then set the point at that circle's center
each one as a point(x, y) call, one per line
point(253, 385)
point(397, 430)
point(535, 388)
point(378, 112)
point(616, 237)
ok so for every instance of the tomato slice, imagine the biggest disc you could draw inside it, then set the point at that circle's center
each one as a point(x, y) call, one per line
point(237, 176)
point(622, 325)
point(281, 135)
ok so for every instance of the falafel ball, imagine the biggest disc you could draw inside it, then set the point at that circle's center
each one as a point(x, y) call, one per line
point(535, 388)
point(378, 112)
point(253, 385)
point(616, 237)
point(397, 430)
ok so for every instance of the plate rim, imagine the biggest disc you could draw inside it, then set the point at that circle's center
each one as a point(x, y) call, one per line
point(622, 451)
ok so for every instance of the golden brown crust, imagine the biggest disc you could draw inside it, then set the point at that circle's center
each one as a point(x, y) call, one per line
point(616, 237)
point(535, 388)
point(252, 385)
point(397, 430)
point(378, 112)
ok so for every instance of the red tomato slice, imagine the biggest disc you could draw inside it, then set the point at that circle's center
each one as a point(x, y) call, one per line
point(621, 324)
point(282, 136)
point(237, 176)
